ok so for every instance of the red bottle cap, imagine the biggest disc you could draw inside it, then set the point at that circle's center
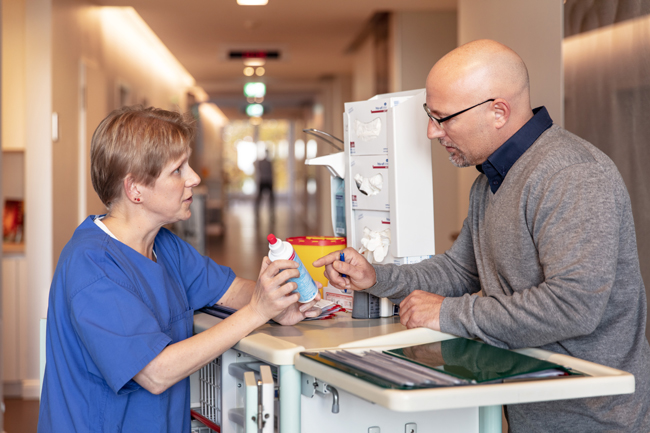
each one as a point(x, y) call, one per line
point(272, 239)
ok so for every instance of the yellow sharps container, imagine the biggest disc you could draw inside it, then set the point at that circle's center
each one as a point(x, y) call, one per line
point(311, 248)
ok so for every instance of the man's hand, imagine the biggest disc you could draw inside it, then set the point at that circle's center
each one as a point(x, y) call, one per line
point(359, 274)
point(421, 310)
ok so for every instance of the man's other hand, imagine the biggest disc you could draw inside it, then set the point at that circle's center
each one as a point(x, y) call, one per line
point(421, 310)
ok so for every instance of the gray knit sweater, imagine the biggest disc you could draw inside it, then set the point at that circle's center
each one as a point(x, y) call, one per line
point(554, 253)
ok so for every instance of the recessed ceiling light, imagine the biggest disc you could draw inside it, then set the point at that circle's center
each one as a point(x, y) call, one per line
point(252, 2)
point(254, 61)
point(259, 71)
point(249, 71)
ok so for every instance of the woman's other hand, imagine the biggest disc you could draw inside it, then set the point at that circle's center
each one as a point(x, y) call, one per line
point(297, 312)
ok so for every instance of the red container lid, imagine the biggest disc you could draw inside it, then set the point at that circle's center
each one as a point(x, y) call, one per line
point(317, 240)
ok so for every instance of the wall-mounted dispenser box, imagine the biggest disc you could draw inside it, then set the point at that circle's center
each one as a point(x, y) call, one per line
point(369, 179)
point(400, 151)
point(389, 185)
point(365, 124)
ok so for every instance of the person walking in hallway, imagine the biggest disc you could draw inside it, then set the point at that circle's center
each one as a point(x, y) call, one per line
point(264, 177)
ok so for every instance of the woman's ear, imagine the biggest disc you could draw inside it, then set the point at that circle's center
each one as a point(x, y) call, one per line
point(501, 109)
point(132, 189)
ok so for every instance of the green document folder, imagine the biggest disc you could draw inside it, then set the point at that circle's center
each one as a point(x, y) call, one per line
point(447, 363)
point(478, 362)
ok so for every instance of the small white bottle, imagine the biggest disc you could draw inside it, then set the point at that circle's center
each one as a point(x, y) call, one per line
point(282, 250)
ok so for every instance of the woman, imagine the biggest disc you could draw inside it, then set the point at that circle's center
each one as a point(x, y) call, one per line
point(119, 326)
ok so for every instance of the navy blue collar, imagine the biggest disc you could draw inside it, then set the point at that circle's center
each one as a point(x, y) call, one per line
point(497, 165)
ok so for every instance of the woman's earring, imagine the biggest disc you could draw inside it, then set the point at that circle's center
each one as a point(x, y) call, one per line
point(137, 199)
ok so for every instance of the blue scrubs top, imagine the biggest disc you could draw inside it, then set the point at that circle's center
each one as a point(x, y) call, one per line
point(111, 311)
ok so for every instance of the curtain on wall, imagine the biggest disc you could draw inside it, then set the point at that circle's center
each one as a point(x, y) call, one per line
point(607, 94)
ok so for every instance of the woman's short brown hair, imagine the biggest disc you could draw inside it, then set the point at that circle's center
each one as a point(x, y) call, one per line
point(138, 141)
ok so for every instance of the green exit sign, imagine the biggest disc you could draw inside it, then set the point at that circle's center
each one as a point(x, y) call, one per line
point(254, 90)
point(254, 110)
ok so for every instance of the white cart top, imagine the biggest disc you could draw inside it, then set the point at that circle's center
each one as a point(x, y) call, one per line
point(281, 345)
point(278, 344)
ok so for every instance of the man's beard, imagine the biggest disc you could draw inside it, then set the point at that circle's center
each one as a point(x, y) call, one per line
point(458, 158)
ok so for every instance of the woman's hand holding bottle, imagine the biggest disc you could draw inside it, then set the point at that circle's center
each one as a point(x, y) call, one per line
point(273, 297)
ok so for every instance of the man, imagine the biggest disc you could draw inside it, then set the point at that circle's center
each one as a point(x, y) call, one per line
point(547, 255)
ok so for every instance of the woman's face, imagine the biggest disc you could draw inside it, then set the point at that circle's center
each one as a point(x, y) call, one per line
point(169, 199)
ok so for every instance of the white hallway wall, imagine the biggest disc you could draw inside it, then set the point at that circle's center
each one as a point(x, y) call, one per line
point(534, 29)
point(59, 36)
point(419, 40)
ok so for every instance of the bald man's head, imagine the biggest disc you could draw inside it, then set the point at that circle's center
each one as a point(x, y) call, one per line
point(481, 70)
point(487, 78)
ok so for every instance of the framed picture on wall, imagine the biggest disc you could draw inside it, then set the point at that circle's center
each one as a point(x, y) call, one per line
point(13, 218)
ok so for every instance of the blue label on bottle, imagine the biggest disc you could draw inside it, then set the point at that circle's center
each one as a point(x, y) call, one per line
point(306, 286)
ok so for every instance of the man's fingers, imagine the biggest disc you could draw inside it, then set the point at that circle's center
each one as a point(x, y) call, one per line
point(421, 309)
point(335, 278)
point(343, 268)
point(404, 315)
point(347, 272)
point(406, 311)
point(335, 256)
point(327, 260)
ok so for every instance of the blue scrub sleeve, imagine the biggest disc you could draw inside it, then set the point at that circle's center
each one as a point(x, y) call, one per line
point(204, 280)
point(210, 285)
point(120, 333)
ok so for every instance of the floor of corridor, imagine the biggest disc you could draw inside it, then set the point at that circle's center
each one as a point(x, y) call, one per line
point(243, 243)
point(241, 247)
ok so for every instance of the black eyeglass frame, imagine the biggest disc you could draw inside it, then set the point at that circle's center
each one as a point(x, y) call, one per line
point(444, 119)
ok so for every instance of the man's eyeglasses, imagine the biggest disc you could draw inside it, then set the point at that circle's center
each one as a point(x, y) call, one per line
point(438, 122)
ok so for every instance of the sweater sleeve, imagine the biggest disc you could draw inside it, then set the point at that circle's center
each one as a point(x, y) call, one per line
point(453, 273)
point(574, 222)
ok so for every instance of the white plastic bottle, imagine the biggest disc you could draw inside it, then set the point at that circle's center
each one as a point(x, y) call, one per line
point(282, 250)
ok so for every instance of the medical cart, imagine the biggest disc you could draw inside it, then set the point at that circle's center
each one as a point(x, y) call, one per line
point(264, 384)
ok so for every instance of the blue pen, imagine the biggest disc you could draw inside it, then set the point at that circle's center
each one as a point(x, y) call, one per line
point(342, 258)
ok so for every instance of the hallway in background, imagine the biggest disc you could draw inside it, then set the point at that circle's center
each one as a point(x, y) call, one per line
point(243, 242)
